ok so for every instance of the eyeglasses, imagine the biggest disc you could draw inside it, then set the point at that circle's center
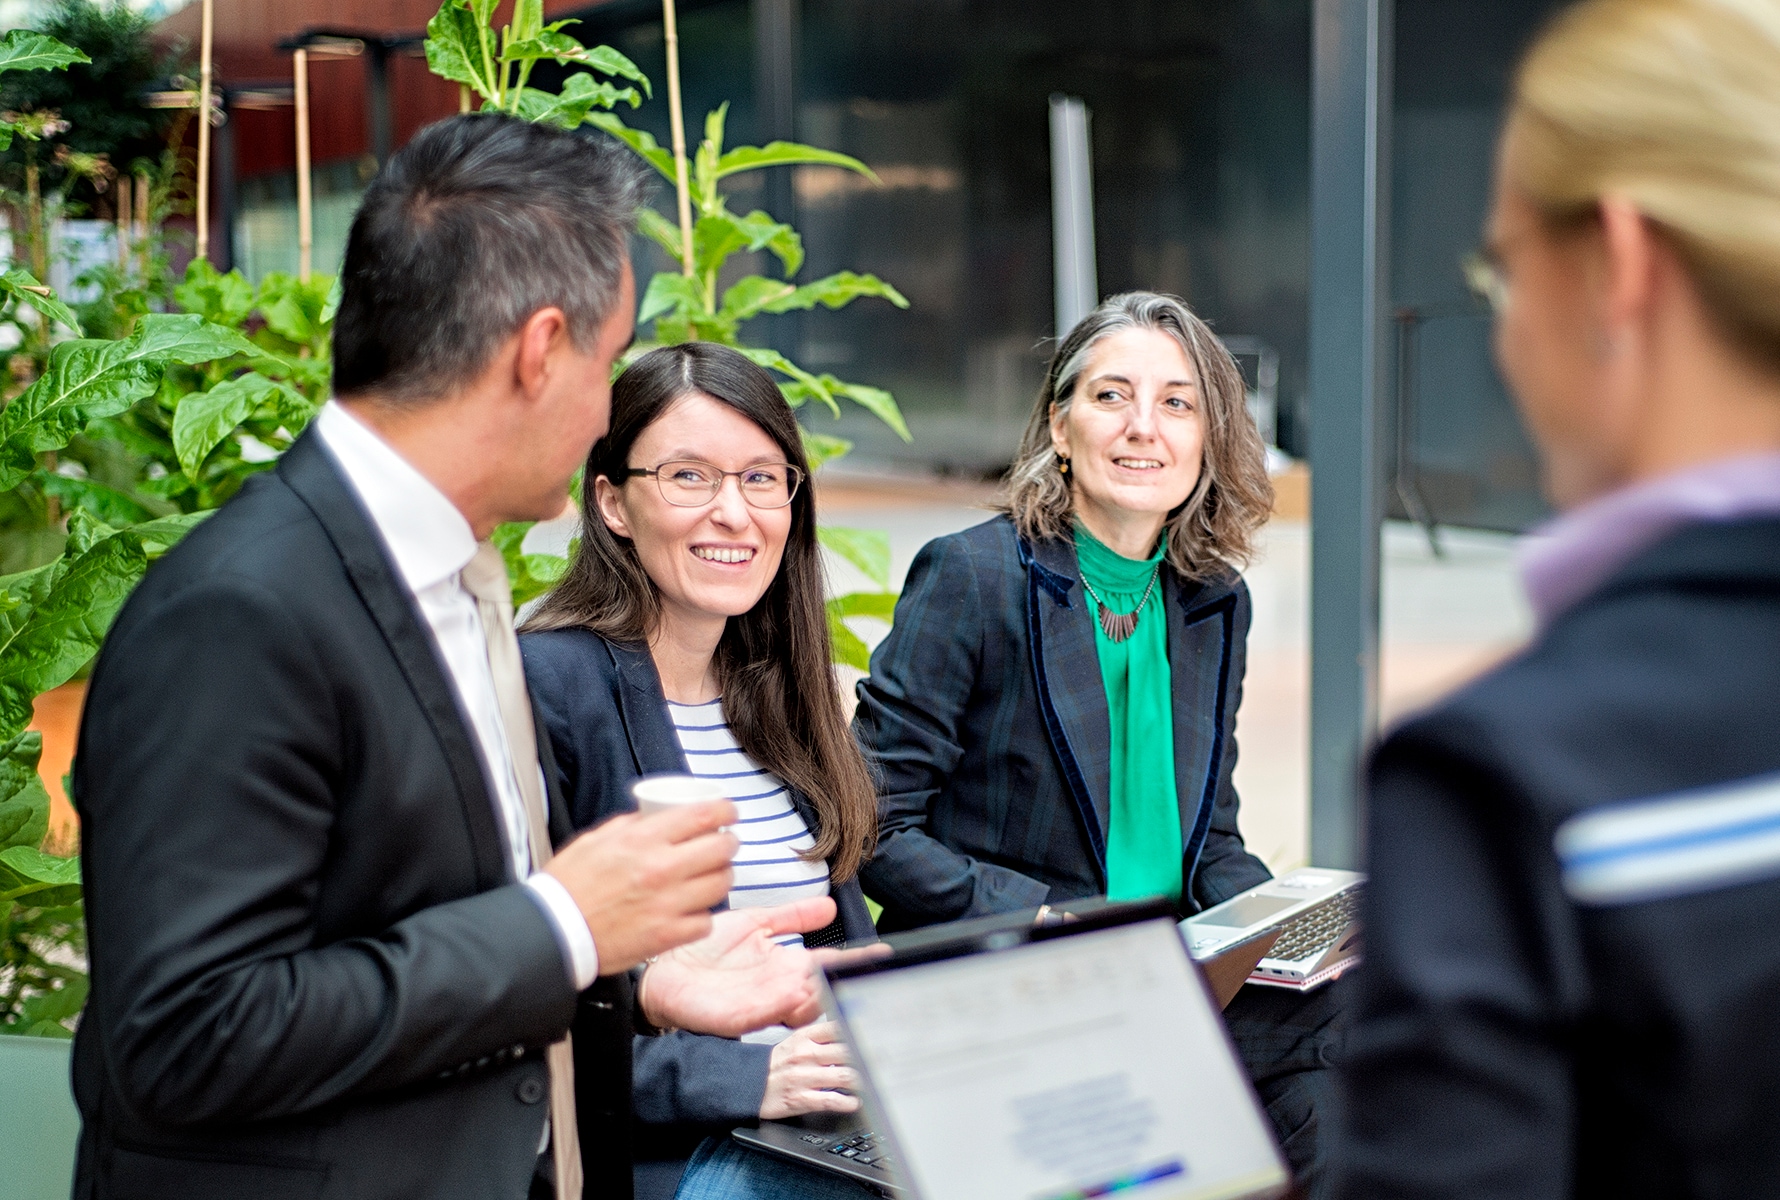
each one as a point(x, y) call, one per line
point(1486, 279)
point(692, 484)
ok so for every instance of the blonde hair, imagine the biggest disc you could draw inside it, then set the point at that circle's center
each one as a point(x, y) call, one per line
point(1214, 529)
point(1673, 105)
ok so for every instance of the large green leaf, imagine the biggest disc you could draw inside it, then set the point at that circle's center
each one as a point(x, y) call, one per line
point(879, 606)
point(849, 649)
point(812, 386)
point(670, 292)
point(639, 140)
point(22, 286)
point(89, 378)
point(204, 419)
point(780, 154)
point(720, 234)
point(292, 308)
point(822, 448)
point(42, 1014)
point(750, 295)
point(661, 231)
point(48, 880)
point(109, 504)
point(560, 47)
point(878, 402)
point(226, 299)
point(836, 291)
point(454, 46)
point(569, 108)
point(24, 50)
point(867, 549)
point(24, 804)
point(61, 631)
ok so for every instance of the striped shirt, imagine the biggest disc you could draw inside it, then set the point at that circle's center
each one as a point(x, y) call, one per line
point(767, 867)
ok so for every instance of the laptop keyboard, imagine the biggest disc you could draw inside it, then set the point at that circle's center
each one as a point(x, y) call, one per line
point(865, 1149)
point(1317, 930)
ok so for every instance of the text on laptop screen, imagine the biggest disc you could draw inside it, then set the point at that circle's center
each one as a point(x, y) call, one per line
point(1086, 1066)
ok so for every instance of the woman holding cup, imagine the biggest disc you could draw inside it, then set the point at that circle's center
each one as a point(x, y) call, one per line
point(690, 638)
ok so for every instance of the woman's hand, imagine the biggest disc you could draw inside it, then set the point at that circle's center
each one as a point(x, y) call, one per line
point(737, 979)
point(806, 1069)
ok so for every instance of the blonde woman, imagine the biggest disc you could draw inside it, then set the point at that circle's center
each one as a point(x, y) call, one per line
point(1572, 960)
point(1053, 713)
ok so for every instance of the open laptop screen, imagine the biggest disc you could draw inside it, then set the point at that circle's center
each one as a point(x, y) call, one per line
point(1082, 1066)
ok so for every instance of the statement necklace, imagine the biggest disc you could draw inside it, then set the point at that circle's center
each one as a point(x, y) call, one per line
point(1120, 626)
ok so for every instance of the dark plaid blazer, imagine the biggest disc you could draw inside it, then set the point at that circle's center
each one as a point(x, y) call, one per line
point(985, 715)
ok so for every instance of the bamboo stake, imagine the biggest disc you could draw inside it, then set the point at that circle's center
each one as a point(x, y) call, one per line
point(305, 201)
point(678, 125)
point(142, 206)
point(125, 225)
point(463, 97)
point(206, 45)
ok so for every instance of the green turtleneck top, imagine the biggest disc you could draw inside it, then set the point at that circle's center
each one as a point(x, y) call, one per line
point(1143, 844)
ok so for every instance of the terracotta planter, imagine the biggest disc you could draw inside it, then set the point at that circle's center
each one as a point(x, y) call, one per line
point(57, 718)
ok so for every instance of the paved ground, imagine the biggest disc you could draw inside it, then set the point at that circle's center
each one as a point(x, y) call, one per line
point(1444, 620)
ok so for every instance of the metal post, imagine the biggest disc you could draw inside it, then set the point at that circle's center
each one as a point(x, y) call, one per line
point(1072, 213)
point(1349, 306)
point(377, 112)
point(776, 28)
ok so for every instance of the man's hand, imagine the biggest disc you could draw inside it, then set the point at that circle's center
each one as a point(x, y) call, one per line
point(805, 1070)
point(647, 884)
point(737, 978)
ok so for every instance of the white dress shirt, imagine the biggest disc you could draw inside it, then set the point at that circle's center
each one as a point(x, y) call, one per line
point(431, 543)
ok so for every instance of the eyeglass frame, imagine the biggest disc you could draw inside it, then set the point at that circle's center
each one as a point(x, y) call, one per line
point(795, 472)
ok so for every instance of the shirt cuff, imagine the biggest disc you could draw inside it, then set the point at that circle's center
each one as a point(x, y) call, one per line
point(579, 954)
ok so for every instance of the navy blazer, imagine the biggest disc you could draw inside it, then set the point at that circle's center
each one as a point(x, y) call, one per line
point(1526, 1026)
point(608, 721)
point(985, 714)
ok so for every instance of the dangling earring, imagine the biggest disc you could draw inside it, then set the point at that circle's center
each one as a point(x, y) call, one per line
point(1062, 465)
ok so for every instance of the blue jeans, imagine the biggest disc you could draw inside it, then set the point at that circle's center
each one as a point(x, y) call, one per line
point(724, 1169)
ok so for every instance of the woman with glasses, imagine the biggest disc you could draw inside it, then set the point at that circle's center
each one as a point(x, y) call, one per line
point(1572, 961)
point(690, 635)
point(1053, 713)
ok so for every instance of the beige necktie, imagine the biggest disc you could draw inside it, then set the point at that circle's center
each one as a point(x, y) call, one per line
point(486, 579)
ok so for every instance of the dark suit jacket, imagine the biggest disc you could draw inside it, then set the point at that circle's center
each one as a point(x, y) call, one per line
point(1513, 1040)
point(603, 705)
point(313, 974)
point(986, 715)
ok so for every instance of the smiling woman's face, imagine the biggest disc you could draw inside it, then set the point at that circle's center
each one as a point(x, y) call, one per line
point(717, 560)
point(1134, 432)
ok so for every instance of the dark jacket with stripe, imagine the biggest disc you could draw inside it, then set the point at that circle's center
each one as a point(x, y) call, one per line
point(313, 974)
point(985, 714)
point(603, 705)
point(1592, 1012)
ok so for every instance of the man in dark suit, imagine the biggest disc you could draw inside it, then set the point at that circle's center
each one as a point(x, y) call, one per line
point(332, 954)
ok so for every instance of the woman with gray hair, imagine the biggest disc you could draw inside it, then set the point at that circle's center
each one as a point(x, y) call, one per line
point(1053, 714)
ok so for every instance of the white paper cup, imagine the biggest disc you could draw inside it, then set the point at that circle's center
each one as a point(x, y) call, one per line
point(658, 793)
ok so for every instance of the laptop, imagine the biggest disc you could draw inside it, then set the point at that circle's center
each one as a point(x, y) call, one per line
point(1052, 1063)
point(848, 1144)
point(1314, 910)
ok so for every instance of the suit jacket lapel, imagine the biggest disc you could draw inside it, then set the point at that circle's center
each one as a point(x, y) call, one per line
point(644, 711)
point(1071, 690)
point(309, 472)
point(1201, 624)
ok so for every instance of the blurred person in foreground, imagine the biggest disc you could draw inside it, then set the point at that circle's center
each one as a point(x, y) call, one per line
point(690, 635)
point(1573, 926)
point(1053, 714)
point(332, 954)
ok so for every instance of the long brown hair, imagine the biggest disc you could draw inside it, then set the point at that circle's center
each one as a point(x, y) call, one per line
point(1214, 529)
point(773, 662)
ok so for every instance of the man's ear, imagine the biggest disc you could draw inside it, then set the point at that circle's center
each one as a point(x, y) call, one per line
point(542, 334)
point(605, 496)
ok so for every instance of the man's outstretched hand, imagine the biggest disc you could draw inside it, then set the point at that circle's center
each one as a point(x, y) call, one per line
point(736, 978)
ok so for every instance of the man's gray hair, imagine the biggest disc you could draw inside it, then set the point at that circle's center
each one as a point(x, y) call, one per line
point(471, 228)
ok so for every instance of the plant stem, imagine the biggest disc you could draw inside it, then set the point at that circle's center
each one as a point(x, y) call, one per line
point(677, 123)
